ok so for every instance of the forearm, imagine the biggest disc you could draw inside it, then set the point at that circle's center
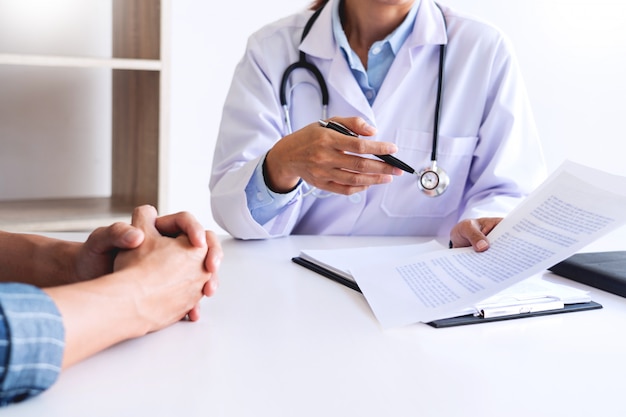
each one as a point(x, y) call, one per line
point(36, 260)
point(97, 314)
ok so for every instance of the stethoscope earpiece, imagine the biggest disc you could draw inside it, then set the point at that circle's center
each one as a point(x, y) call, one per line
point(433, 181)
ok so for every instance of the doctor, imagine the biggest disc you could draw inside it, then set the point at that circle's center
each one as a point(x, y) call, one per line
point(438, 89)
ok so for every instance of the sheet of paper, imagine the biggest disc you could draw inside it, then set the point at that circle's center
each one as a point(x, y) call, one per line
point(534, 288)
point(340, 260)
point(530, 290)
point(574, 207)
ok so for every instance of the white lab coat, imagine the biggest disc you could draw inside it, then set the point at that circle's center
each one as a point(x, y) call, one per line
point(488, 142)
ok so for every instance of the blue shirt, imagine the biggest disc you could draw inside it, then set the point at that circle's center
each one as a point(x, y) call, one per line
point(380, 56)
point(32, 340)
point(263, 203)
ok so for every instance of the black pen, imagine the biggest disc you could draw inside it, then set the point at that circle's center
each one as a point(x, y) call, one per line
point(390, 159)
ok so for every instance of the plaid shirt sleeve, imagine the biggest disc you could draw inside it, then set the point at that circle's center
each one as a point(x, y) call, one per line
point(32, 340)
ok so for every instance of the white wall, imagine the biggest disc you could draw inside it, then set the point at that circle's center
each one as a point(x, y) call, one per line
point(572, 54)
point(207, 43)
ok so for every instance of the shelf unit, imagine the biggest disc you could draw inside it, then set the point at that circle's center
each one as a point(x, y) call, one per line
point(140, 83)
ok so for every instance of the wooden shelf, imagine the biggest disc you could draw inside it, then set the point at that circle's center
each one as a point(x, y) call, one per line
point(72, 214)
point(140, 113)
point(80, 62)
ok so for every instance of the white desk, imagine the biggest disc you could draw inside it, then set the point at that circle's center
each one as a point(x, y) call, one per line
point(279, 340)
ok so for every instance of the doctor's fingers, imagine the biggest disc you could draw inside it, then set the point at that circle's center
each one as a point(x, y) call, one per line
point(362, 146)
point(357, 125)
point(336, 188)
point(343, 181)
point(473, 232)
point(486, 224)
point(332, 164)
point(367, 165)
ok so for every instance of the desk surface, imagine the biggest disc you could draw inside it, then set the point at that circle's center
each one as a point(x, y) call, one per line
point(279, 340)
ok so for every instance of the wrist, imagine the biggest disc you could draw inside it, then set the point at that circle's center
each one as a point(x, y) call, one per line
point(97, 314)
point(126, 297)
point(56, 261)
point(276, 179)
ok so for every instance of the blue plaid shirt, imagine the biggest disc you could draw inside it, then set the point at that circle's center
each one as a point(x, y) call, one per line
point(32, 340)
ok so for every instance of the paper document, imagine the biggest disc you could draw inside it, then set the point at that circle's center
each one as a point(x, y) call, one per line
point(340, 261)
point(530, 295)
point(573, 208)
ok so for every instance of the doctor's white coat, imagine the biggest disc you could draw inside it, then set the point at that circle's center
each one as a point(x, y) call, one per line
point(488, 142)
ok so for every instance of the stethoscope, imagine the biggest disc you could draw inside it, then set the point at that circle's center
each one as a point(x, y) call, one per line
point(432, 180)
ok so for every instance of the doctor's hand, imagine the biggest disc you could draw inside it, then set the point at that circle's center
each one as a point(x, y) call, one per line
point(473, 232)
point(329, 160)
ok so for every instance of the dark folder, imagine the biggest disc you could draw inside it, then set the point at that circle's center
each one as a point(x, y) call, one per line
point(603, 270)
point(452, 321)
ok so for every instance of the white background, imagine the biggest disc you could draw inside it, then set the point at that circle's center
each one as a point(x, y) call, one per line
point(572, 55)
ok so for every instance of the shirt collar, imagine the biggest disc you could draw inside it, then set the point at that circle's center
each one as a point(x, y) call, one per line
point(395, 38)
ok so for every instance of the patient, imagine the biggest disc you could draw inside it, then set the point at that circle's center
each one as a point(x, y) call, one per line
point(63, 301)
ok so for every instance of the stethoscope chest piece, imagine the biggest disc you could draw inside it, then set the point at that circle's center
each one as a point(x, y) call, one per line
point(433, 181)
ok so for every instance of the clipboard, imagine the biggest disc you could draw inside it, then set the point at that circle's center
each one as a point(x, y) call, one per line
point(452, 321)
point(471, 319)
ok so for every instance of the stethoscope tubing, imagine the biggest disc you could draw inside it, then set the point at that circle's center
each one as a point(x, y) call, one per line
point(302, 63)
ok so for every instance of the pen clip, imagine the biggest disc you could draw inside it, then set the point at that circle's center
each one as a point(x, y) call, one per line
point(337, 127)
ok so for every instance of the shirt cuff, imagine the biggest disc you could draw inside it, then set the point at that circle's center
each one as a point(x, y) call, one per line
point(263, 203)
point(32, 341)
